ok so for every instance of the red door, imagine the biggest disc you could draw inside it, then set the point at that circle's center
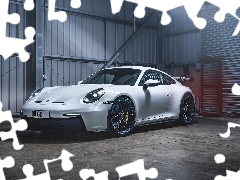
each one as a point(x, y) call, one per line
point(211, 92)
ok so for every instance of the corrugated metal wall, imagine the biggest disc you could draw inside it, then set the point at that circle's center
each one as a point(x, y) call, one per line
point(67, 72)
point(217, 40)
point(12, 70)
point(93, 32)
point(183, 43)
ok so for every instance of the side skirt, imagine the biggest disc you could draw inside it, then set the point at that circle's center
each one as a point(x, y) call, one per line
point(158, 122)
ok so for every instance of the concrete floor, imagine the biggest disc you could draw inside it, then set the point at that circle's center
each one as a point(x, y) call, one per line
point(177, 152)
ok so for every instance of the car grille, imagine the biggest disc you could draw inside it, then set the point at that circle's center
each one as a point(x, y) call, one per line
point(66, 124)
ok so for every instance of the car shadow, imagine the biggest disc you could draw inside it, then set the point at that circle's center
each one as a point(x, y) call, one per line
point(32, 137)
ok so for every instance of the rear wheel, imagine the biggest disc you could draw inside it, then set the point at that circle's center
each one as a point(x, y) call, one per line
point(122, 116)
point(187, 108)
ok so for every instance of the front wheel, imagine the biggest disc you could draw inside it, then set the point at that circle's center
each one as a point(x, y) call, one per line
point(187, 108)
point(122, 116)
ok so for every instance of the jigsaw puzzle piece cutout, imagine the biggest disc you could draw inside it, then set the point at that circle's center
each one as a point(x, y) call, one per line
point(166, 19)
point(138, 168)
point(6, 18)
point(230, 125)
point(87, 173)
point(66, 166)
point(75, 4)
point(116, 5)
point(60, 15)
point(13, 45)
point(20, 125)
point(8, 162)
point(159, 5)
point(229, 175)
point(13, 18)
point(65, 156)
point(192, 8)
point(166, 6)
point(28, 171)
point(29, 5)
point(236, 89)
point(21, 44)
point(237, 30)
point(53, 15)
point(140, 11)
point(226, 7)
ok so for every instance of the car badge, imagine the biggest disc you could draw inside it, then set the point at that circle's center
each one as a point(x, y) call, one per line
point(47, 100)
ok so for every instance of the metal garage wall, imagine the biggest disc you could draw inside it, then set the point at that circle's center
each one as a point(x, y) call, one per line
point(183, 43)
point(67, 72)
point(142, 49)
point(217, 40)
point(93, 32)
point(12, 70)
point(77, 37)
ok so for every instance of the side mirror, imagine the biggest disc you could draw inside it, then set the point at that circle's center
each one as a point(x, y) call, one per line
point(151, 83)
point(79, 82)
point(191, 79)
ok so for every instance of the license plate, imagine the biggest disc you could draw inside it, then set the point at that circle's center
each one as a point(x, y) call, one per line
point(40, 114)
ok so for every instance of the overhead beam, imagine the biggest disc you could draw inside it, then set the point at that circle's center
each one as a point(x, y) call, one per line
point(182, 32)
point(130, 39)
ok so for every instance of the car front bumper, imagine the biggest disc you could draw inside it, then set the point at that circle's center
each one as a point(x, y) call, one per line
point(56, 124)
point(90, 117)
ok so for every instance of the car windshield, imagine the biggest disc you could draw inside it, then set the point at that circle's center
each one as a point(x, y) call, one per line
point(116, 76)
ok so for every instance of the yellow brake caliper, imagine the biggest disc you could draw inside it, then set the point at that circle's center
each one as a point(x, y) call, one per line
point(126, 118)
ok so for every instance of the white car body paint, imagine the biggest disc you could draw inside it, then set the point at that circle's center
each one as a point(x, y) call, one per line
point(153, 105)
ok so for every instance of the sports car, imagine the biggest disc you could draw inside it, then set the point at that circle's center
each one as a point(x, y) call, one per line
point(114, 99)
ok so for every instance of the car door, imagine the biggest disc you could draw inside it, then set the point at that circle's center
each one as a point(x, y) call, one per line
point(154, 101)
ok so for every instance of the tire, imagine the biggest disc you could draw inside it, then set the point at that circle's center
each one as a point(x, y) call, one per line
point(121, 116)
point(187, 108)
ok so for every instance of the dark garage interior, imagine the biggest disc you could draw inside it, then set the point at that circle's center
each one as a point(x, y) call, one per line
point(92, 37)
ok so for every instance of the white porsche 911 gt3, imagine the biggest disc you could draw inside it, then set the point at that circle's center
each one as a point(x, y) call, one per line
point(113, 99)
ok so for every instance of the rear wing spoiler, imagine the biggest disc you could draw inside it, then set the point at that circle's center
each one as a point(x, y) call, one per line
point(182, 79)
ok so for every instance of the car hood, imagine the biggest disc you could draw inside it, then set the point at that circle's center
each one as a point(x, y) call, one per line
point(62, 94)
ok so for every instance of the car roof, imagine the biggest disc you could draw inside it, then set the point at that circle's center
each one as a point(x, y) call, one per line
point(134, 67)
point(143, 68)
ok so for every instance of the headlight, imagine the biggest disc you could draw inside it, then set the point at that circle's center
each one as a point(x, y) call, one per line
point(36, 92)
point(94, 95)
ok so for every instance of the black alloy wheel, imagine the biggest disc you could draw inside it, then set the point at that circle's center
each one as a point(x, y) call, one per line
point(122, 116)
point(187, 108)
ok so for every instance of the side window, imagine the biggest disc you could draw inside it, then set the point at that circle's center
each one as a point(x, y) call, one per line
point(150, 74)
point(167, 80)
